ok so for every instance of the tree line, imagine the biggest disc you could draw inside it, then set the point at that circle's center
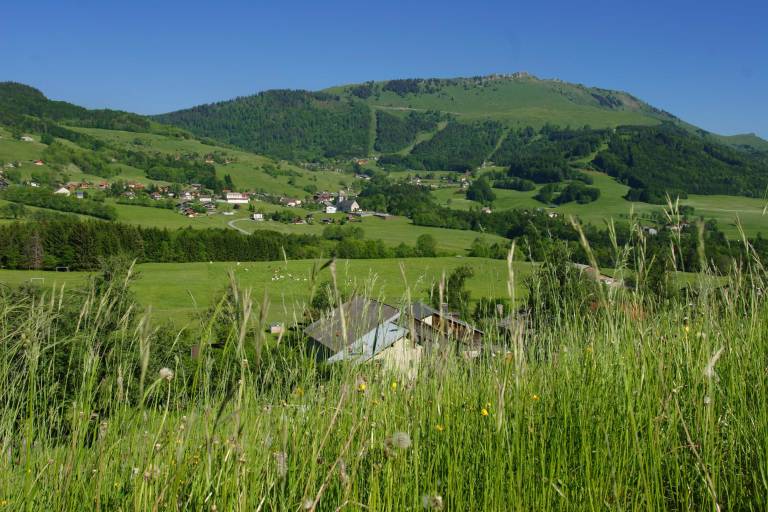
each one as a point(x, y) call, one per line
point(49, 243)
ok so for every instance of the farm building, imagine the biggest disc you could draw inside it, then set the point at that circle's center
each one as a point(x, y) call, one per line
point(443, 325)
point(370, 331)
point(63, 191)
point(236, 198)
point(290, 202)
point(330, 209)
point(348, 206)
point(257, 217)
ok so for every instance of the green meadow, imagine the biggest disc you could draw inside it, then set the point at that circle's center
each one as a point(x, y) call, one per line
point(182, 292)
point(728, 211)
point(523, 102)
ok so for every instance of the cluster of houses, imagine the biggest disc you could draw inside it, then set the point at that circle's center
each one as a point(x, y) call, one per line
point(337, 203)
point(364, 329)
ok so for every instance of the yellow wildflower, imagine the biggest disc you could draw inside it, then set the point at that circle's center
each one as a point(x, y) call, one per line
point(361, 387)
point(439, 427)
point(687, 329)
point(535, 397)
point(393, 386)
point(484, 412)
point(298, 391)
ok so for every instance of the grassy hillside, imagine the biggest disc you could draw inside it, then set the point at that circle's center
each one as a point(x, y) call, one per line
point(518, 99)
point(748, 141)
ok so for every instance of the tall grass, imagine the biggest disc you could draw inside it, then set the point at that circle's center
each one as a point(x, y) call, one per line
point(627, 403)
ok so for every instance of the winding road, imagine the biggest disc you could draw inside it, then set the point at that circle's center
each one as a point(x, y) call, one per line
point(233, 225)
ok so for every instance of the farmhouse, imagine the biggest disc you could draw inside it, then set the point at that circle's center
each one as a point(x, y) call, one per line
point(290, 202)
point(348, 206)
point(322, 197)
point(593, 274)
point(63, 191)
point(370, 330)
point(433, 325)
point(236, 198)
point(329, 208)
point(257, 217)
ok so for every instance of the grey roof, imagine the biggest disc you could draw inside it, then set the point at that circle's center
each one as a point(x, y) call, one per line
point(380, 338)
point(346, 204)
point(420, 311)
point(361, 316)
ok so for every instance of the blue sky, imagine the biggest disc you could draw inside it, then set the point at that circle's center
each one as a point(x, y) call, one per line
point(706, 62)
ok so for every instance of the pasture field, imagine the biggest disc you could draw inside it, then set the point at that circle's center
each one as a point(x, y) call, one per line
point(726, 210)
point(183, 291)
point(392, 231)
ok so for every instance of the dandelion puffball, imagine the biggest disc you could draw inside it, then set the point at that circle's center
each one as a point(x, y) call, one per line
point(401, 440)
point(166, 374)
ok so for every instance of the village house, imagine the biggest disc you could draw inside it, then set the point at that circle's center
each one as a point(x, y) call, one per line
point(259, 217)
point(348, 206)
point(370, 331)
point(441, 325)
point(593, 274)
point(63, 191)
point(322, 197)
point(290, 202)
point(329, 208)
point(236, 198)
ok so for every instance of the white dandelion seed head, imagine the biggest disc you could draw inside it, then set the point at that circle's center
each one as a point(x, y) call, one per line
point(166, 374)
point(281, 461)
point(401, 440)
point(432, 502)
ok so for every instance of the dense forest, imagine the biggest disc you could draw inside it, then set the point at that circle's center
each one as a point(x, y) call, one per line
point(62, 241)
point(22, 100)
point(458, 147)
point(394, 132)
point(660, 159)
point(284, 124)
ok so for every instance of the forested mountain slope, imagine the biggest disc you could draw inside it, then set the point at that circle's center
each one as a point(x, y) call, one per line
point(285, 124)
